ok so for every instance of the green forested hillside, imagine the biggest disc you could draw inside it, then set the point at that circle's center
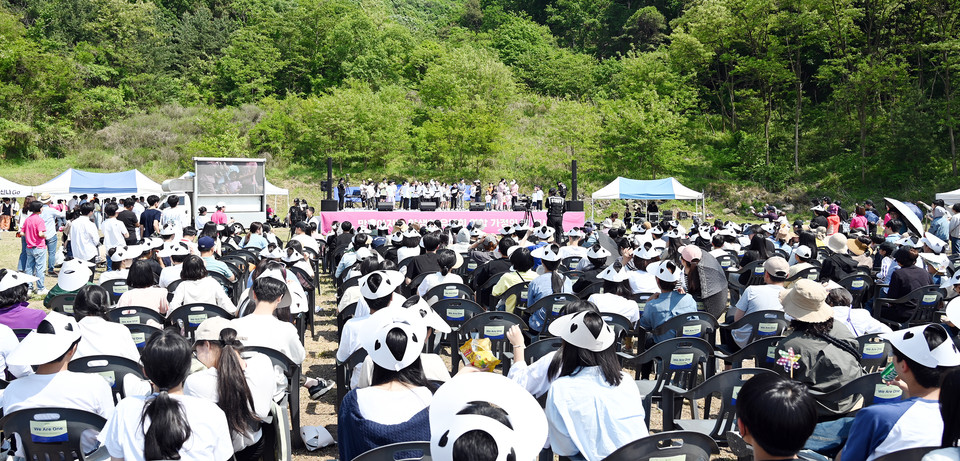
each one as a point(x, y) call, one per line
point(794, 97)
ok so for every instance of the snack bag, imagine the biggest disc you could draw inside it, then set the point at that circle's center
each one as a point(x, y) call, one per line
point(476, 352)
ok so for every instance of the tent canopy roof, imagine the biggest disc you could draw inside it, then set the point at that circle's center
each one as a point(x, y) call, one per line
point(11, 189)
point(274, 190)
point(654, 189)
point(950, 197)
point(75, 181)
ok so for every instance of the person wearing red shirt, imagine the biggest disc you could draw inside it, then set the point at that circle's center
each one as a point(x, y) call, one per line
point(34, 231)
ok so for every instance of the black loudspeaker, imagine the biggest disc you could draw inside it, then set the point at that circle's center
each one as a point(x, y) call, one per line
point(328, 205)
point(574, 205)
point(477, 206)
point(428, 206)
point(384, 206)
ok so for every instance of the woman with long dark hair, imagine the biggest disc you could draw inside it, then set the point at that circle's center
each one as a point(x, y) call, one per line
point(254, 237)
point(394, 407)
point(97, 335)
point(242, 385)
point(592, 408)
point(167, 424)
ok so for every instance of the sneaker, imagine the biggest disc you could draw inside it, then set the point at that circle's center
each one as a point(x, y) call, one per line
point(43, 292)
point(317, 390)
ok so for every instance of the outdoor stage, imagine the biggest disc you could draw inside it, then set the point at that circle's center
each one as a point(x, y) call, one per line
point(493, 221)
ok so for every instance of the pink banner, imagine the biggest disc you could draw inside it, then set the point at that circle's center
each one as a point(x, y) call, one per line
point(493, 221)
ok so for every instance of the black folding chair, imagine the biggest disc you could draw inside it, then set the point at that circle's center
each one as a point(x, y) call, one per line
point(51, 433)
point(538, 349)
point(490, 325)
point(291, 401)
point(593, 288)
point(763, 352)
point(448, 291)
point(928, 300)
point(869, 389)
point(141, 333)
point(860, 286)
point(188, 317)
point(553, 305)
point(762, 324)
point(116, 288)
point(726, 384)
point(679, 445)
point(111, 368)
point(135, 315)
point(63, 304)
point(455, 312)
point(346, 314)
point(875, 352)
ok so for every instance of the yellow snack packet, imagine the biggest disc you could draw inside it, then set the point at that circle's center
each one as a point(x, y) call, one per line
point(477, 352)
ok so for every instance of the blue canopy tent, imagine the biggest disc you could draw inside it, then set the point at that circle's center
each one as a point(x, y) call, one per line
point(653, 189)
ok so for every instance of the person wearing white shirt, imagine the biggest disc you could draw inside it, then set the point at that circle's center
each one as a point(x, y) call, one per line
point(300, 235)
point(84, 236)
point(377, 291)
point(616, 291)
point(114, 232)
point(448, 260)
point(859, 321)
point(198, 287)
point(50, 348)
point(173, 216)
point(193, 428)
point(220, 350)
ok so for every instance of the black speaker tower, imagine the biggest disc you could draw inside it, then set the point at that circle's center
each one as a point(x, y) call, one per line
point(574, 204)
point(329, 204)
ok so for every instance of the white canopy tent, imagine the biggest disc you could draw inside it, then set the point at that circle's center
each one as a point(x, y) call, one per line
point(654, 189)
point(123, 183)
point(11, 189)
point(276, 191)
point(949, 198)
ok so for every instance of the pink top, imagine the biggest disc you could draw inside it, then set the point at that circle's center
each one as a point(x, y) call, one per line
point(154, 298)
point(219, 217)
point(858, 222)
point(32, 227)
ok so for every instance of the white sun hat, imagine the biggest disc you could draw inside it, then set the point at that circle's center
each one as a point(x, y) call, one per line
point(572, 329)
point(447, 423)
point(52, 338)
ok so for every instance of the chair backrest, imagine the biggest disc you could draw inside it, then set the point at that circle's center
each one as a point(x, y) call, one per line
point(350, 282)
point(63, 304)
point(727, 384)
point(135, 314)
point(875, 352)
point(593, 288)
point(416, 281)
point(762, 351)
point(538, 349)
point(516, 293)
point(449, 291)
point(346, 314)
point(678, 361)
point(493, 326)
point(929, 301)
point(762, 324)
point(401, 451)
point(111, 368)
point(573, 275)
point(140, 333)
point(51, 433)
point(910, 454)
point(782, 253)
point(189, 316)
point(344, 372)
point(755, 268)
point(457, 311)
point(571, 262)
point(860, 286)
point(116, 288)
point(728, 262)
point(622, 326)
point(173, 286)
point(691, 325)
point(553, 305)
point(469, 266)
point(228, 286)
point(277, 358)
point(679, 445)
point(870, 388)
point(810, 273)
point(483, 293)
